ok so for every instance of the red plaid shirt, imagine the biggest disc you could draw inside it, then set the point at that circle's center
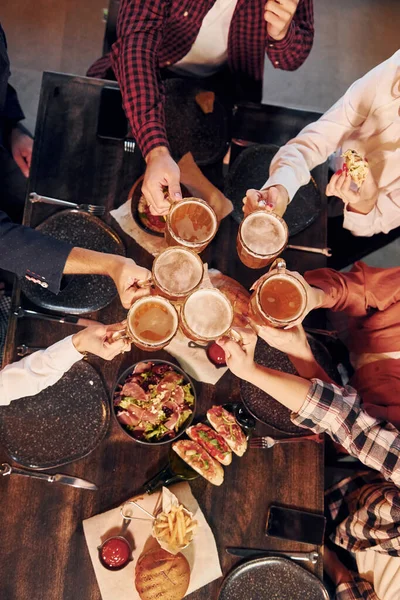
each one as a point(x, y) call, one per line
point(154, 34)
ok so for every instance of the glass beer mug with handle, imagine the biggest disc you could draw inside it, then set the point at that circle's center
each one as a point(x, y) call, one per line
point(262, 237)
point(177, 272)
point(151, 323)
point(279, 298)
point(191, 223)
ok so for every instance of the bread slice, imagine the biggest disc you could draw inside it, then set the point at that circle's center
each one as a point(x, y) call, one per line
point(211, 441)
point(160, 575)
point(199, 460)
point(358, 167)
point(226, 425)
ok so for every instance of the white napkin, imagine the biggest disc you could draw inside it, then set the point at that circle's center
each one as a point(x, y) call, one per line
point(202, 553)
point(154, 244)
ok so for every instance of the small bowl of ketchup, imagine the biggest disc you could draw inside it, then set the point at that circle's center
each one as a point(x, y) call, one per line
point(115, 553)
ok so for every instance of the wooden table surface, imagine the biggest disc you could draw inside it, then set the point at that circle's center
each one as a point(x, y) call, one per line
point(44, 554)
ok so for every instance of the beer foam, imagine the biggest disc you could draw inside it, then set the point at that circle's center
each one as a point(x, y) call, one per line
point(178, 271)
point(153, 324)
point(186, 226)
point(263, 234)
point(208, 313)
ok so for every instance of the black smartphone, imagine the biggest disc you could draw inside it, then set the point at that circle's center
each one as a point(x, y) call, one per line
point(112, 123)
point(296, 525)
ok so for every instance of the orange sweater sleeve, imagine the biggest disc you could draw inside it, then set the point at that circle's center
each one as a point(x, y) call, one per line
point(358, 291)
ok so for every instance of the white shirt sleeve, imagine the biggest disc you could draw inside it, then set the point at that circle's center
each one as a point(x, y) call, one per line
point(34, 373)
point(315, 143)
point(384, 217)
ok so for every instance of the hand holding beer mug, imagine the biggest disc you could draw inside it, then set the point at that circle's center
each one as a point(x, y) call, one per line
point(207, 315)
point(280, 298)
point(151, 323)
point(262, 237)
point(191, 223)
point(274, 198)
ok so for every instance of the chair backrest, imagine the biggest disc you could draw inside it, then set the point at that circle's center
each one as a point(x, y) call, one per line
point(269, 124)
point(110, 34)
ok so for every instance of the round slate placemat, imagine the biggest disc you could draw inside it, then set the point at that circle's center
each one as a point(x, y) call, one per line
point(271, 578)
point(61, 424)
point(265, 408)
point(206, 136)
point(250, 170)
point(79, 293)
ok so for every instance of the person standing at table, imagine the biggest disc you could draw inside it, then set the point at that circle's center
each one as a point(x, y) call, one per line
point(16, 143)
point(366, 119)
point(196, 39)
point(365, 508)
point(44, 368)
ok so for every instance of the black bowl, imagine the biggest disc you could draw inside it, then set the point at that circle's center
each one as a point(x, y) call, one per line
point(188, 422)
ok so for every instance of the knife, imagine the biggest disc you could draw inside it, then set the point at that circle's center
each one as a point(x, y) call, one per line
point(6, 469)
point(24, 312)
point(248, 552)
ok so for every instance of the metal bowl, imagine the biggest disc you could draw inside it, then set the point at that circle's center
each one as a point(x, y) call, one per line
point(188, 422)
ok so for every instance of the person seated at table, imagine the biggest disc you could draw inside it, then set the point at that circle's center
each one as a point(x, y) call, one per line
point(367, 120)
point(44, 368)
point(157, 39)
point(16, 143)
point(366, 508)
point(368, 298)
point(43, 260)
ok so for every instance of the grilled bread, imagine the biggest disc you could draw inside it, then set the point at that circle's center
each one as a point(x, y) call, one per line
point(160, 575)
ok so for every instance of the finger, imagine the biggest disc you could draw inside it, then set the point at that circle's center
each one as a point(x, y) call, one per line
point(331, 187)
point(133, 293)
point(22, 164)
point(175, 192)
point(155, 197)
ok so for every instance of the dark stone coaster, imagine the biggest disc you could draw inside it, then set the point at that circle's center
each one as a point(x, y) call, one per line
point(79, 293)
point(251, 169)
point(265, 408)
point(271, 578)
point(189, 129)
point(61, 424)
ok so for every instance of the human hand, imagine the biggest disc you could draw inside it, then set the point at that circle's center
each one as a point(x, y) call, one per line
point(274, 198)
point(361, 201)
point(290, 341)
point(335, 569)
point(96, 340)
point(128, 277)
point(278, 15)
point(161, 171)
point(239, 356)
point(21, 149)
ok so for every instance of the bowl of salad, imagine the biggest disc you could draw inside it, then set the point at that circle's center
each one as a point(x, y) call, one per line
point(154, 402)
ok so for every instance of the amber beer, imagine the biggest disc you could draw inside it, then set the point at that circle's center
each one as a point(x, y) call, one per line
point(152, 322)
point(262, 237)
point(280, 298)
point(191, 223)
point(177, 272)
point(206, 315)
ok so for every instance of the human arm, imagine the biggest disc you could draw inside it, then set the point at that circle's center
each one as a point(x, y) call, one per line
point(356, 292)
point(349, 585)
point(42, 369)
point(290, 32)
point(323, 408)
point(134, 59)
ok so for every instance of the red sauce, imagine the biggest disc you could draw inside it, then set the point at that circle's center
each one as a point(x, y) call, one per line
point(216, 354)
point(115, 552)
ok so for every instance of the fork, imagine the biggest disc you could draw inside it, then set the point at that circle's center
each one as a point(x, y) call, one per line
point(92, 209)
point(267, 442)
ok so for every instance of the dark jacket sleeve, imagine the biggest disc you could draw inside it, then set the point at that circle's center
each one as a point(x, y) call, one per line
point(28, 253)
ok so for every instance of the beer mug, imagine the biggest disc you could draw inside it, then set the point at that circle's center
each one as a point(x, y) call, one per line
point(262, 237)
point(191, 223)
point(280, 298)
point(207, 315)
point(151, 323)
point(177, 272)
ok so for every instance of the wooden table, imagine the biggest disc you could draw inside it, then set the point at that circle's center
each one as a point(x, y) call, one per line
point(44, 554)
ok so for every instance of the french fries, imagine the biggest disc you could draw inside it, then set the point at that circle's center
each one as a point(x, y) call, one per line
point(175, 528)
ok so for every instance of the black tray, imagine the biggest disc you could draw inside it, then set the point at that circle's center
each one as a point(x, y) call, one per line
point(79, 293)
point(206, 136)
point(61, 424)
point(251, 169)
point(265, 408)
point(271, 578)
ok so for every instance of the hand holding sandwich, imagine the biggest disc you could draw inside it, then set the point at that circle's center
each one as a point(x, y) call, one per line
point(361, 201)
